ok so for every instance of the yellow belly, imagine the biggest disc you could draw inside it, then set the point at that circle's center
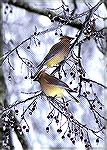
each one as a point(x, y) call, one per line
point(53, 91)
point(55, 60)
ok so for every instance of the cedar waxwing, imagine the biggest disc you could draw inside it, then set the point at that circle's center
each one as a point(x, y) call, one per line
point(57, 53)
point(52, 86)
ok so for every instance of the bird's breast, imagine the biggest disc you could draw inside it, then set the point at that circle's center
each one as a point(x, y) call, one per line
point(52, 90)
point(54, 61)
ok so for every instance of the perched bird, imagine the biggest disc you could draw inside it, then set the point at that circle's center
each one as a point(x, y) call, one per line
point(57, 53)
point(52, 86)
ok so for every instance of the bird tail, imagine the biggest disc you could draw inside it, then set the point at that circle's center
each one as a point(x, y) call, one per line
point(69, 92)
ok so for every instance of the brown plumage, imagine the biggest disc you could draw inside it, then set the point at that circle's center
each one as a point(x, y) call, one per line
point(52, 86)
point(57, 53)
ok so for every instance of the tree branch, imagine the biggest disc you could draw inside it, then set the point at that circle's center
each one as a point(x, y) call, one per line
point(44, 12)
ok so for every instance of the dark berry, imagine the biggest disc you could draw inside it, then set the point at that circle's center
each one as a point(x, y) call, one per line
point(75, 130)
point(61, 34)
point(93, 106)
point(96, 121)
point(33, 108)
point(59, 130)
point(71, 117)
point(71, 82)
point(73, 142)
point(86, 146)
point(69, 131)
point(56, 33)
point(38, 43)
point(97, 140)
point(100, 108)
point(63, 137)
point(90, 85)
point(85, 140)
point(6, 7)
point(24, 127)
point(48, 117)
point(30, 113)
point(51, 116)
point(71, 139)
point(81, 137)
point(10, 11)
point(16, 111)
point(26, 77)
point(27, 130)
point(67, 9)
point(47, 129)
point(67, 104)
point(57, 121)
point(35, 33)
point(69, 135)
point(28, 47)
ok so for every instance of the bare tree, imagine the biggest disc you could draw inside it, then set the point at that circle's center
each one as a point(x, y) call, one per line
point(25, 42)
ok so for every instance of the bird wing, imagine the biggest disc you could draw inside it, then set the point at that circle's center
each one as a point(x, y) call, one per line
point(55, 81)
point(54, 51)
